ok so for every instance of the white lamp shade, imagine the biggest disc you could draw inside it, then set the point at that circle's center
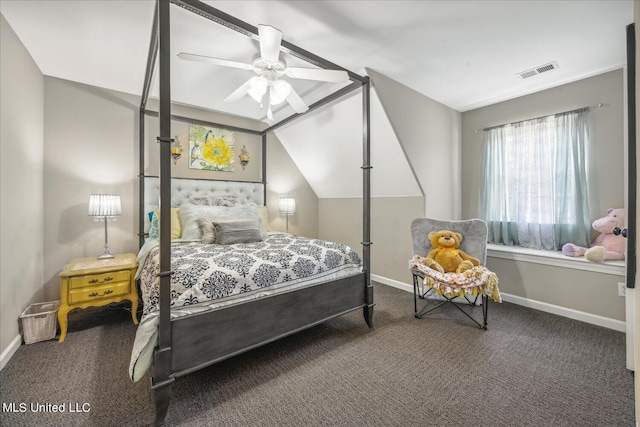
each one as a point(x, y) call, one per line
point(105, 205)
point(287, 205)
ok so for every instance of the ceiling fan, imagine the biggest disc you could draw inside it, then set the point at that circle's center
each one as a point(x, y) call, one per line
point(269, 68)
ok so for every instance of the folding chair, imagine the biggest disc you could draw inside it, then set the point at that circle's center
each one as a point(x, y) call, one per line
point(474, 243)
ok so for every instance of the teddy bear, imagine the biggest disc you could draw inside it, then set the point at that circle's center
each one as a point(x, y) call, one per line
point(446, 257)
point(606, 246)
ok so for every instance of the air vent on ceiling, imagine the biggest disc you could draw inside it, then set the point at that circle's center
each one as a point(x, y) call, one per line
point(535, 71)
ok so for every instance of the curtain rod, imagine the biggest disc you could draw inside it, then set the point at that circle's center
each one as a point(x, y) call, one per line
point(599, 105)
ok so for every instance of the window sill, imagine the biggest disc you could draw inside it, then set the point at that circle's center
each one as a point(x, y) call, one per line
point(556, 259)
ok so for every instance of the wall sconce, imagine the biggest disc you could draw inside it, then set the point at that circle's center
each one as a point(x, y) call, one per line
point(287, 207)
point(176, 150)
point(244, 157)
point(105, 207)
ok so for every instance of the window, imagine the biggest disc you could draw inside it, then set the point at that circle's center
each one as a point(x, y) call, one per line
point(533, 192)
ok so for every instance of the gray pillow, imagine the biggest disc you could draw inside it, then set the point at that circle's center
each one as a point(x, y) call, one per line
point(237, 230)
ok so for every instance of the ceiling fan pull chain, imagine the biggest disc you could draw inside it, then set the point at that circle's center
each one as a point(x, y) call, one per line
point(268, 96)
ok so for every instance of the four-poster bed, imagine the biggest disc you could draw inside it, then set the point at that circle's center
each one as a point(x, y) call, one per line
point(186, 343)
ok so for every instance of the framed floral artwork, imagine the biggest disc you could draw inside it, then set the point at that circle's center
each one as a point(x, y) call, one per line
point(211, 149)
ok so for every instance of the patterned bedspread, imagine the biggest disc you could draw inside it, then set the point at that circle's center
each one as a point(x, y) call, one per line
point(208, 276)
point(205, 272)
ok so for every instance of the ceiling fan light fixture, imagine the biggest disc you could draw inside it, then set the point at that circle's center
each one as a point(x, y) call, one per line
point(257, 88)
point(269, 68)
point(279, 91)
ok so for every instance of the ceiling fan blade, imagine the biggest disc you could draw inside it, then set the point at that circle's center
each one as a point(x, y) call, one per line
point(239, 93)
point(216, 61)
point(337, 76)
point(270, 39)
point(296, 102)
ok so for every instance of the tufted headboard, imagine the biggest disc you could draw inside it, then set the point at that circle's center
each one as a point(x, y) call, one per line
point(183, 188)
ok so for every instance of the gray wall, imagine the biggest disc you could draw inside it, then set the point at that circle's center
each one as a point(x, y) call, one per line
point(284, 179)
point(340, 220)
point(89, 148)
point(585, 291)
point(580, 290)
point(21, 183)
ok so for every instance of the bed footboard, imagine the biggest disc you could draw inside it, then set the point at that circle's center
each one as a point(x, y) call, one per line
point(206, 338)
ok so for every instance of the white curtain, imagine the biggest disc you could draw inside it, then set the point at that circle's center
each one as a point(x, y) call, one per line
point(534, 189)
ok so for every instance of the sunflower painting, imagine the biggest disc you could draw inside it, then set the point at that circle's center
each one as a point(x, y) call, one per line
point(211, 149)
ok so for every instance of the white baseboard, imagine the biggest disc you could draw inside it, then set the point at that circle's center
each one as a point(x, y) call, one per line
point(392, 283)
point(8, 352)
point(593, 319)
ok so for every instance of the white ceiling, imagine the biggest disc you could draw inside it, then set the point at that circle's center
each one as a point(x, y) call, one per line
point(464, 54)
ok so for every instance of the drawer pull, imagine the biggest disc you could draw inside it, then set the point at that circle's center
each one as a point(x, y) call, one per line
point(106, 279)
point(95, 294)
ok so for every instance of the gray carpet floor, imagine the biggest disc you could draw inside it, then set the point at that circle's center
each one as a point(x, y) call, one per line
point(528, 369)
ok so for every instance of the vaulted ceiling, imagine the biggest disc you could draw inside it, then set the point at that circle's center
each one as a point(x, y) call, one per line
point(463, 54)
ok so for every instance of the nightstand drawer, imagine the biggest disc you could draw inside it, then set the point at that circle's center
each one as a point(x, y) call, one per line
point(96, 292)
point(99, 279)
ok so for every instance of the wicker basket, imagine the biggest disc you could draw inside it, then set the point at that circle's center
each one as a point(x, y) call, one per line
point(39, 322)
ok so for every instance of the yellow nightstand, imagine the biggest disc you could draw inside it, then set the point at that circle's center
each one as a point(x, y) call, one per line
point(92, 282)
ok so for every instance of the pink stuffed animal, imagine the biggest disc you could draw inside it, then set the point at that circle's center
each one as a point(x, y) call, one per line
point(607, 246)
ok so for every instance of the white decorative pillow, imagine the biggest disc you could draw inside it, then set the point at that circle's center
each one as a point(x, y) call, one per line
point(207, 229)
point(264, 217)
point(189, 215)
point(216, 200)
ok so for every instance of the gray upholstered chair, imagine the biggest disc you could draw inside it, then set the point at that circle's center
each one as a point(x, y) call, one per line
point(474, 243)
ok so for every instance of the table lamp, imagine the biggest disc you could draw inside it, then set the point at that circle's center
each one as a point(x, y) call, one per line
point(287, 207)
point(105, 207)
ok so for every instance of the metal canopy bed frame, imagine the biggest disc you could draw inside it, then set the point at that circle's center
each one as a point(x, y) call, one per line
point(179, 339)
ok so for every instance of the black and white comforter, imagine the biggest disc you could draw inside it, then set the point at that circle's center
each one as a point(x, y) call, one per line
point(209, 275)
point(205, 272)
